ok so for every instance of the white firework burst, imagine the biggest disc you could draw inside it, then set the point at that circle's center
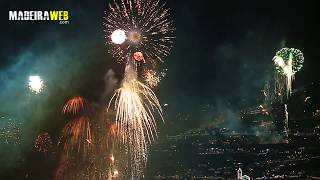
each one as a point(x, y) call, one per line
point(141, 26)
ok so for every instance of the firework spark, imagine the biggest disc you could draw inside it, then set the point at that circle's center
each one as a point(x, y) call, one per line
point(134, 104)
point(113, 135)
point(113, 131)
point(139, 26)
point(35, 84)
point(10, 131)
point(287, 61)
point(287, 72)
point(151, 78)
point(76, 105)
point(78, 153)
point(77, 135)
point(75, 168)
point(43, 143)
point(286, 120)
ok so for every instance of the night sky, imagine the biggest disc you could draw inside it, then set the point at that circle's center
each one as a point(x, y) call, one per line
point(222, 57)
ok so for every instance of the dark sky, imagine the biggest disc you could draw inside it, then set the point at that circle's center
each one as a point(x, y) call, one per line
point(221, 56)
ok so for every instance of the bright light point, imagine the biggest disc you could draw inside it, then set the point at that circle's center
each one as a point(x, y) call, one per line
point(279, 61)
point(115, 173)
point(118, 36)
point(35, 84)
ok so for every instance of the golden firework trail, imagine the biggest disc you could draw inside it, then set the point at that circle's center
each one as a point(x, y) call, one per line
point(288, 73)
point(134, 105)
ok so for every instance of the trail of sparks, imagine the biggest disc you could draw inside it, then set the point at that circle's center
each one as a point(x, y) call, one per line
point(77, 136)
point(76, 105)
point(134, 104)
point(286, 120)
point(287, 70)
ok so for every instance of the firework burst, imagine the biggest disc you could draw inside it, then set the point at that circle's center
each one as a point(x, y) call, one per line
point(151, 77)
point(286, 56)
point(287, 62)
point(77, 135)
point(139, 26)
point(139, 33)
point(134, 104)
point(10, 131)
point(35, 84)
point(43, 143)
point(76, 105)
